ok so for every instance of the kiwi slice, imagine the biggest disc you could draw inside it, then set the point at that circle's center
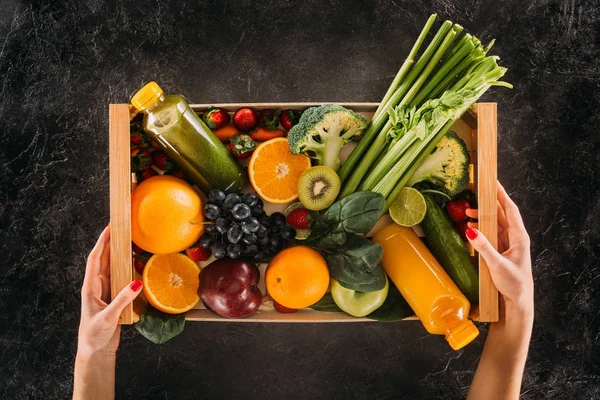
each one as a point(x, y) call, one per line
point(318, 187)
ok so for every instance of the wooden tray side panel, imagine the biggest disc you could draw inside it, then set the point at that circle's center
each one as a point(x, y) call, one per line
point(487, 174)
point(121, 269)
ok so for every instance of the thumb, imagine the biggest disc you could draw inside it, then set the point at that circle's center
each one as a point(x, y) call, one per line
point(125, 297)
point(485, 248)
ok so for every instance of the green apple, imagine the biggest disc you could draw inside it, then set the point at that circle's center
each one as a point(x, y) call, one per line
point(358, 304)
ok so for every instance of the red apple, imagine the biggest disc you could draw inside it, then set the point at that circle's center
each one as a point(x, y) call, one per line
point(230, 288)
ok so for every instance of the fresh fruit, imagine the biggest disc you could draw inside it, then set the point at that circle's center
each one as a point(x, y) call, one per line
point(137, 137)
point(457, 210)
point(283, 309)
point(234, 224)
point(297, 277)
point(136, 249)
point(145, 174)
point(269, 118)
point(215, 118)
point(289, 118)
point(299, 218)
point(166, 215)
point(241, 146)
point(462, 227)
point(274, 171)
point(162, 161)
point(261, 134)
point(230, 288)
point(171, 283)
point(245, 119)
point(226, 133)
point(178, 173)
point(318, 187)
point(357, 304)
point(140, 159)
point(198, 253)
point(408, 209)
point(140, 260)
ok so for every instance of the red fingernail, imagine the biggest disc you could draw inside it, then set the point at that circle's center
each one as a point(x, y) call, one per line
point(471, 234)
point(136, 285)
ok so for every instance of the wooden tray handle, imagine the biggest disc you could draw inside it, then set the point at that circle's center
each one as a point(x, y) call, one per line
point(121, 268)
point(487, 175)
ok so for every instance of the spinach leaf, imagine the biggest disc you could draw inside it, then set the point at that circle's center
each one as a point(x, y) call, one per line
point(159, 327)
point(369, 282)
point(357, 253)
point(326, 304)
point(356, 213)
point(323, 235)
point(395, 308)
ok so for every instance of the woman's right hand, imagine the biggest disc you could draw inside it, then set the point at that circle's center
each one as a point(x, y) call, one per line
point(510, 265)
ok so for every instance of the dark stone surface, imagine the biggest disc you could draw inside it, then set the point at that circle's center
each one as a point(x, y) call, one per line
point(62, 63)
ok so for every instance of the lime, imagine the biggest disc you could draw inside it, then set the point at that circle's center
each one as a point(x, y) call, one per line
point(409, 208)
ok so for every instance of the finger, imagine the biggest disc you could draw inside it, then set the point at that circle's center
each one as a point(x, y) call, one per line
point(513, 216)
point(105, 261)
point(95, 258)
point(125, 296)
point(472, 213)
point(473, 225)
point(485, 248)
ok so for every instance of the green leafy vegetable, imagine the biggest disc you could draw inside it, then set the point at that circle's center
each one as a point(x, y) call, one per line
point(357, 213)
point(159, 327)
point(326, 304)
point(395, 308)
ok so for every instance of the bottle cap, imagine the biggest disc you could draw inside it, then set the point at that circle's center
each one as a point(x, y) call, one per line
point(462, 335)
point(146, 96)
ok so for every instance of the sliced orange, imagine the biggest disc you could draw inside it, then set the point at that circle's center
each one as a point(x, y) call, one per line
point(171, 283)
point(274, 171)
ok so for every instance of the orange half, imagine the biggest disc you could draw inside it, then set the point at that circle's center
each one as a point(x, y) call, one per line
point(171, 283)
point(274, 171)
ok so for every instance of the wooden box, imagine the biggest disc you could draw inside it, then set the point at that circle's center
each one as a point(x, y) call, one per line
point(478, 128)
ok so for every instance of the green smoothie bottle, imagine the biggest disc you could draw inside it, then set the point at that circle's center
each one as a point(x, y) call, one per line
point(170, 121)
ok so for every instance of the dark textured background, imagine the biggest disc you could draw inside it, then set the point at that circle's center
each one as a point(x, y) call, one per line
point(63, 62)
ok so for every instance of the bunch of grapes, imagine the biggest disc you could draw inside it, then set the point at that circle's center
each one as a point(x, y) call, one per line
point(242, 229)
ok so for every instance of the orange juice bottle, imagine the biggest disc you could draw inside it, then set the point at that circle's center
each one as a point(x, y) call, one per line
point(427, 288)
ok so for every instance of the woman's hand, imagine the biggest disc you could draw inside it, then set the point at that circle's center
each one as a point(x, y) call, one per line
point(98, 329)
point(510, 265)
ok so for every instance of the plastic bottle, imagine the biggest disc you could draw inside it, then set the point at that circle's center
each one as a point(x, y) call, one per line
point(171, 122)
point(427, 288)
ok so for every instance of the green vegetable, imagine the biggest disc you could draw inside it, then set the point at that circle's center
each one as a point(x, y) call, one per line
point(323, 131)
point(451, 74)
point(449, 249)
point(326, 304)
point(159, 327)
point(394, 308)
point(447, 167)
point(352, 259)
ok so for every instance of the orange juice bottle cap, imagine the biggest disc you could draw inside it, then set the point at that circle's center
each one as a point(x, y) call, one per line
point(462, 335)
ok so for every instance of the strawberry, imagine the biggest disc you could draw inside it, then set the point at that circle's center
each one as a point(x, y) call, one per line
point(269, 118)
point(198, 253)
point(137, 137)
point(260, 134)
point(162, 161)
point(242, 146)
point(141, 159)
point(140, 260)
point(462, 227)
point(299, 218)
point(245, 119)
point(283, 309)
point(215, 118)
point(155, 145)
point(145, 174)
point(178, 173)
point(457, 210)
point(289, 118)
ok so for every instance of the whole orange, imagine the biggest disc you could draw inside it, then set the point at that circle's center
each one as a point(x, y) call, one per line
point(297, 277)
point(165, 215)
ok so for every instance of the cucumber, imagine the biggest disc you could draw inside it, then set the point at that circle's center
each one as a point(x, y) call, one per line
point(449, 249)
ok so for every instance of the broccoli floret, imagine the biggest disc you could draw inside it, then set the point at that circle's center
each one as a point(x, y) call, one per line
point(447, 167)
point(323, 131)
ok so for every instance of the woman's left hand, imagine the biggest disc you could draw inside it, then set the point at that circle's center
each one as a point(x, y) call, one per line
point(99, 331)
